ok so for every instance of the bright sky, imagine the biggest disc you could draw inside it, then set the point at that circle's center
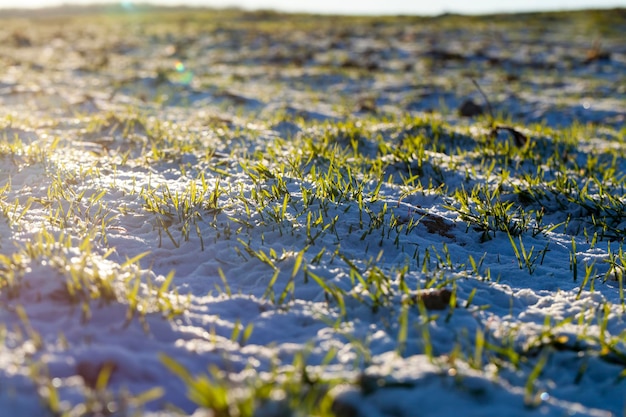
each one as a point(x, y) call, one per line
point(368, 6)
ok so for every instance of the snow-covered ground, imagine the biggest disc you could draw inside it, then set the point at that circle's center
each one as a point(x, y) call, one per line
point(290, 211)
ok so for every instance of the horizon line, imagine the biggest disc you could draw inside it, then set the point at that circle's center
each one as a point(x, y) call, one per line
point(129, 6)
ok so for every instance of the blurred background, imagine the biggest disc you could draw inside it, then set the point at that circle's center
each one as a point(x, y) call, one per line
point(420, 7)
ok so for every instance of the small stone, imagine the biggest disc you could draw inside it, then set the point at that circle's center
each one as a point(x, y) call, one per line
point(341, 409)
point(470, 109)
point(435, 299)
point(90, 371)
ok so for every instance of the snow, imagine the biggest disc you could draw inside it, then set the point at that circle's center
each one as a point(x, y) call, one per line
point(54, 337)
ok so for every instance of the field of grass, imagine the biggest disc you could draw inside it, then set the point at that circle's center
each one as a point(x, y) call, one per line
point(227, 213)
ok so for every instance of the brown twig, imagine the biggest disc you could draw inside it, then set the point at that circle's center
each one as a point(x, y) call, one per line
point(487, 103)
point(518, 137)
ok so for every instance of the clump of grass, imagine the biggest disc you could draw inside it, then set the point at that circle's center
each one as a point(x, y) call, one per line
point(287, 389)
point(183, 210)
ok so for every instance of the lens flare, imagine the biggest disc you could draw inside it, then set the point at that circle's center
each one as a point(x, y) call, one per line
point(184, 75)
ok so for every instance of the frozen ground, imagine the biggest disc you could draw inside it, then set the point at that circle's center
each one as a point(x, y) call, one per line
point(342, 241)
